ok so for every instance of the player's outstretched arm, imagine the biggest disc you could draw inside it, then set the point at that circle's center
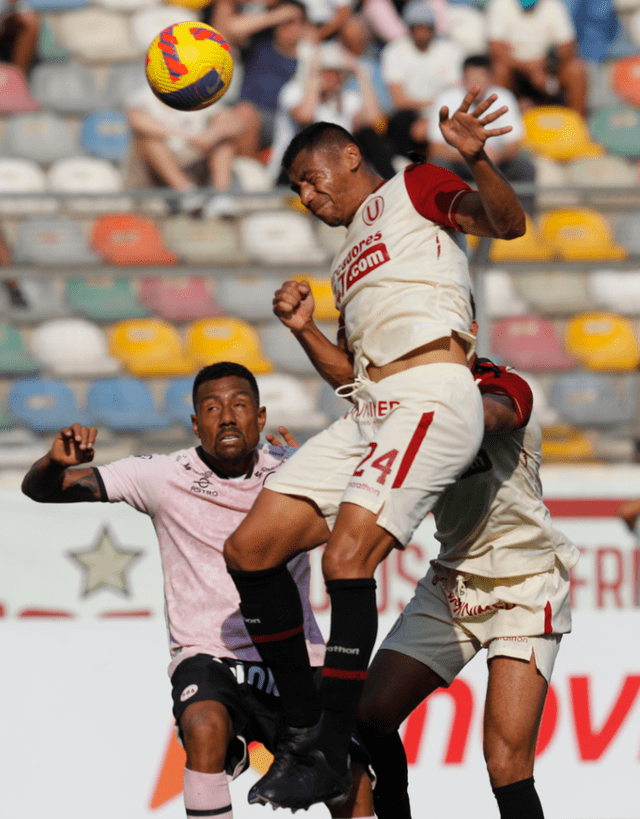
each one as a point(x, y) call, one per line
point(294, 305)
point(494, 210)
point(53, 480)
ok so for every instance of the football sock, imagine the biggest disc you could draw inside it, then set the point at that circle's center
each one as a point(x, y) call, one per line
point(519, 800)
point(389, 761)
point(206, 795)
point(354, 625)
point(272, 612)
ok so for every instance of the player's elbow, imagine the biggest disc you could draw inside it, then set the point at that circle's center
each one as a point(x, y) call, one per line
point(515, 228)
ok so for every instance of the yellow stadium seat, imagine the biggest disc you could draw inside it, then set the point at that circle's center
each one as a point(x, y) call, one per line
point(150, 348)
point(322, 296)
point(559, 133)
point(226, 339)
point(603, 341)
point(528, 248)
point(564, 443)
point(580, 234)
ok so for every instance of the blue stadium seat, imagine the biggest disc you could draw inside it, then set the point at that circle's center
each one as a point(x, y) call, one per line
point(125, 405)
point(178, 403)
point(283, 350)
point(56, 5)
point(44, 404)
point(105, 134)
point(590, 399)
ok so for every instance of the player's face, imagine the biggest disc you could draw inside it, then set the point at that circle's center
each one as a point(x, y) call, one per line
point(323, 179)
point(228, 422)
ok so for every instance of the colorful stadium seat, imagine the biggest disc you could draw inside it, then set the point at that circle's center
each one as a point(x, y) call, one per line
point(531, 247)
point(184, 299)
point(56, 5)
point(52, 241)
point(626, 79)
point(591, 399)
point(73, 348)
point(15, 96)
point(204, 241)
point(282, 348)
point(125, 405)
point(44, 404)
point(130, 239)
point(98, 35)
point(603, 341)
point(617, 128)
point(501, 297)
point(530, 343)
point(85, 174)
point(615, 290)
point(555, 292)
point(43, 137)
point(226, 339)
point(580, 235)
point(178, 402)
point(106, 135)
point(103, 298)
point(562, 443)
point(289, 403)
point(559, 133)
point(602, 172)
point(68, 88)
point(325, 309)
point(248, 297)
point(21, 176)
point(14, 359)
point(280, 237)
point(49, 48)
point(150, 348)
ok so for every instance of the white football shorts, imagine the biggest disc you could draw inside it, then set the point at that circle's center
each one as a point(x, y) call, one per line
point(406, 439)
point(453, 615)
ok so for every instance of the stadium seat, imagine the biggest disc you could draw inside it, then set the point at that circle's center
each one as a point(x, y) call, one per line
point(68, 88)
point(106, 135)
point(148, 22)
point(549, 172)
point(617, 128)
point(98, 35)
point(178, 402)
point(226, 339)
point(180, 299)
point(103, 298)
point(43, 137)
point(562, 443)
point(280, 237)
point(626, 230)
point(125, 405)
point(325, 309)
point(282, 348)
point(6, 421)
point(125, 5)
point(14, 359)
point(49, 48)
point(84, 174)
point(72, 347)
point(251, 175)
point(546, 414)
point(529, 343)
point(591, 399)
point(531, 247)
point(45, 404)
point(602, 172)
point(204, 241)
point(625, 79)
point(615, 290)
point(15, 96)
point(23, 176)
point(559, 133)
point(248, 297)
point(603, 341)
point(150, 348)
point(580, 235)
point(52, 241)
point(19, 448)
point(501, 296)
point(555, 292)
point(130, 239)
point(633, 27)
point(331, 404)
point(41, 301)
point(56, 5)
point(600, 85)
point(289, 403)
point(122, 81)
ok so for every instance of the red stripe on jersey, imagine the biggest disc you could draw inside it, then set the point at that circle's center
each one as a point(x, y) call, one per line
point(547, 618)
point(273, 638)
point(435, 193)
point(412, 449)
point(340, 674)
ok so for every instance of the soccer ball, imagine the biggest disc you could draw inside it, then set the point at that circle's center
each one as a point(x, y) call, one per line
point(189, 66)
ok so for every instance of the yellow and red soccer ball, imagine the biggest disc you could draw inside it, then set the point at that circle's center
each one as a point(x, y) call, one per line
point(189, 66)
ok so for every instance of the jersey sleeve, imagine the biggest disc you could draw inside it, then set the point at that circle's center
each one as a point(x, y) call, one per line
point(134, 480)
point(435, 193)
point(512, 386)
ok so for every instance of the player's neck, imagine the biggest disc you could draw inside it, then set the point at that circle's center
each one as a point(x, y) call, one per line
point(242, 467)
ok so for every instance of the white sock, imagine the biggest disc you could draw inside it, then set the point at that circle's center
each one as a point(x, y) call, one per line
point(207, 795)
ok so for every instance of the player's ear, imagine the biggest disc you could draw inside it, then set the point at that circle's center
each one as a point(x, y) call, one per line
point(194, 424)
point(262, 418)
point(353, 156)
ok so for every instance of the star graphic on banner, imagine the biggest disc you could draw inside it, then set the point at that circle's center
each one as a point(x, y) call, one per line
point(105, 564)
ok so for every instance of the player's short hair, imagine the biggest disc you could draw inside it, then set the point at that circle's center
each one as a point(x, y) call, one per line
point(297, 3)
point(317, 135)
point(477, 61)
point(224, 369)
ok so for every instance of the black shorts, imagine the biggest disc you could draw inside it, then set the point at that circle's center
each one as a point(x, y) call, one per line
point(246, 689)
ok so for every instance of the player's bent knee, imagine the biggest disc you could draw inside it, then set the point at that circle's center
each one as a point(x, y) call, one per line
point(506, 765)
point(206, 732)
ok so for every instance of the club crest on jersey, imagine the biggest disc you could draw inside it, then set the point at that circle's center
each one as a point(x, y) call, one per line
point(373, 210)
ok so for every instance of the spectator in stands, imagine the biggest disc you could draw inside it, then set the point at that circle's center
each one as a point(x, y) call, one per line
point(521, 34)
point(503, 150)
point(19, 30)
point(321, 95)
point(416, 68)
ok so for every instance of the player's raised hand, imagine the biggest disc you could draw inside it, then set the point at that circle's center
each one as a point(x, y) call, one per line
point(74, 445)
point(293, 304)
point(467, 132)
point(288, 438)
